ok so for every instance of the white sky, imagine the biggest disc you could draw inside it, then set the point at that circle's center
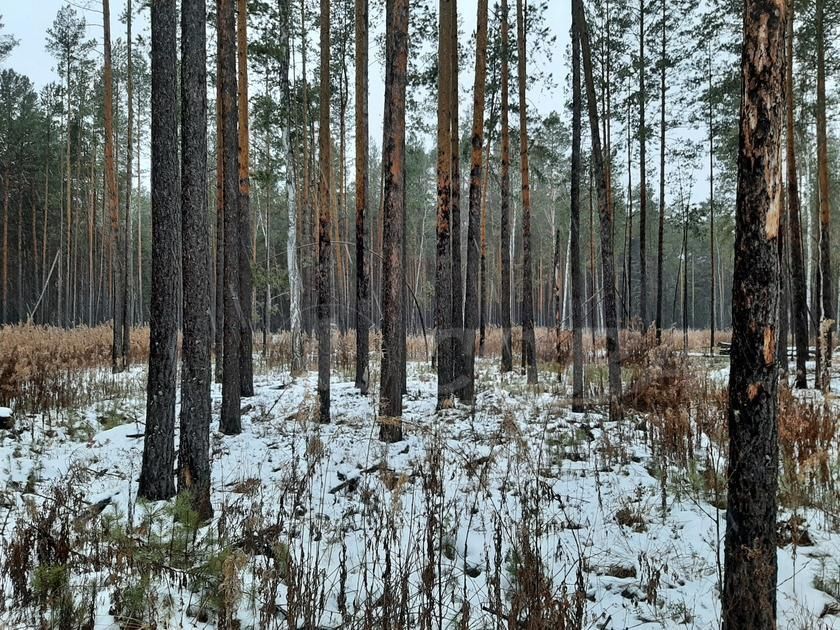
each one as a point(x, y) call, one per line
point(28, 21)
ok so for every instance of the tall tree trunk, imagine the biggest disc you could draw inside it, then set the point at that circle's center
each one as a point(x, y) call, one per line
point(455, 201)
point(749, 590)
point(507, 349)
point(482, 308)
point(660, 252)
point(711, 208)
point(528, 336)
point(125, 228)
point(393, 204)
point(246, 289)
point(44, 271)
point(292, 199)
point(5, 319)
point(471, 305)
point(220, 212)
point(309, 236)
point(230, 422)
point(194, 446)
point(784, 289)
point(799, 300)
point(608, 264)
point(156, 479)
point(574, 233)
point(643, 192)
point(443, 270)
point(118, 351)
point(362, 262)
point(826, 275)
point(324, 219)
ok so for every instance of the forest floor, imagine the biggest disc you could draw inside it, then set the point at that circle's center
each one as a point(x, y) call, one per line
point(517, 509)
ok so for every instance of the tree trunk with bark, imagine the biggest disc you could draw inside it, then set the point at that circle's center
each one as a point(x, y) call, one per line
point(324, 219)
point(607, 262)
point(798, 285)
point(827, 290)
point(246, 288)
point(292, 198)
point(528, 336)
point(749, 591)
point(194, 446)
point(220, 213)
point(443, 269)
point(660, 251)
point(574, 234)
point(643, 192)
point(118, 350)
point(507, 343)
point(393, 204)
point(125, 227)
point(471, 299)
point(230, 422)
point(362, 262)
point(457, 334)
point(156, 478)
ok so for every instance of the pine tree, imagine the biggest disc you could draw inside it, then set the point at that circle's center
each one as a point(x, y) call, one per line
point(393, 171)
point(826, 275)
point(749, 590)
point(471, 300)
point(156, 479)
point(194, 445)
point(799, 300)
point(574, 236)
point(119, 352)
point(528, 337)
point(443, 269)
point(246, 289)
point(230, 422)
point(607, 262)
point(324, 219)
point(362, 263)
point(507, 344)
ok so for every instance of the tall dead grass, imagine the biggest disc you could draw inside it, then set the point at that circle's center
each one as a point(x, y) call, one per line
point(45, 368)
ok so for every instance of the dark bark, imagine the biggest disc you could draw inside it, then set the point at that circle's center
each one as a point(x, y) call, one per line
point(607, 262)
point(528, 337)
point(471, 299)
point(156, 478)
point(660, 258)
point(457, 334)
point(826, 275)
point(574, 238)
point(443, 259)
point(230, 422)
point(246, 288)
point(393, 253)
point(482, 307)
point(362, 263)
point(711, 211)
point(749, 593)
point(194, 446)
point(799, 300)
point(507, 349)
point(119, 353)
point(125, 227)
point(643, 192)
point(784, 294)
point(220, 216)
point(324, 220)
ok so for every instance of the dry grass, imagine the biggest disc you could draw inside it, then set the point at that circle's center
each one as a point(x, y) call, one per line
point(45, 368)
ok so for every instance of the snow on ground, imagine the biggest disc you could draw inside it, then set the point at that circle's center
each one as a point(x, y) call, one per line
point(338, 497)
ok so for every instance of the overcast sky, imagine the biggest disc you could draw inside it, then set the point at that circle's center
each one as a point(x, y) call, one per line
point(28, 21)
